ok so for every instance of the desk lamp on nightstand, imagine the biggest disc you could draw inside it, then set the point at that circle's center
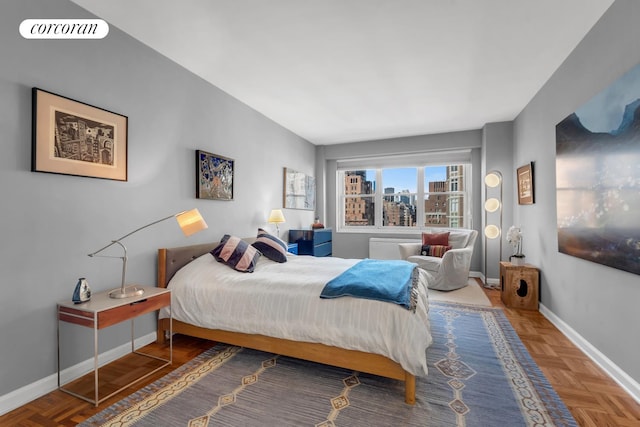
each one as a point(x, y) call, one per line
point(190, 222)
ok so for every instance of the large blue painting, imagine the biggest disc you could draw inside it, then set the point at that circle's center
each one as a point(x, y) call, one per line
point(598, 177)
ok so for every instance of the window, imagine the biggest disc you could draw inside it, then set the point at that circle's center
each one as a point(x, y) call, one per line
point(393, 198)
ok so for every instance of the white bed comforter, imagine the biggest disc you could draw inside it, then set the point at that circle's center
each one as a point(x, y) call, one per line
point(283, 301)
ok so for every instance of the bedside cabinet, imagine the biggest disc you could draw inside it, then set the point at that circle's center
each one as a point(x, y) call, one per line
point(519, 285)
point(312, 242)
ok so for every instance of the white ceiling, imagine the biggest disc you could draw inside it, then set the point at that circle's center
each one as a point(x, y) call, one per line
point(335, 71)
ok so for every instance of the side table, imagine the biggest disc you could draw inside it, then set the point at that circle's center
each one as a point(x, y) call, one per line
point(101, 312)
point(519, 285)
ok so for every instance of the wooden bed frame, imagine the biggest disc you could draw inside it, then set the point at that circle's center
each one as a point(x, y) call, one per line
point(170, 260)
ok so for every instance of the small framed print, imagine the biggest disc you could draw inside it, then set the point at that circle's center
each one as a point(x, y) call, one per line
point(214, 176)
point(73, 138)
point(525, 184)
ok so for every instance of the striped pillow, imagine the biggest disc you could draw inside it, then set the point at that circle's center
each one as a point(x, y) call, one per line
point(236, 253)
point(434, 250)
point(271, 246)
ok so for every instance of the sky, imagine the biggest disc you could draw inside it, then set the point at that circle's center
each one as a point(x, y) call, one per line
point(405, 178)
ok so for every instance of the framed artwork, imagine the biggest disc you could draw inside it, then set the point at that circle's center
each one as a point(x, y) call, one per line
point(299, 190)
point(598, 178)
point(74, 138)
point(214, 176)
point(525, 184)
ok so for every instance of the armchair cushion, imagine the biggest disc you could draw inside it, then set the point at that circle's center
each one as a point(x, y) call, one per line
point(435, 239)
point(434, 250)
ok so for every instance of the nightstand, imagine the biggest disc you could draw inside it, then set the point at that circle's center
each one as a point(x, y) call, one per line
point(101, 312)
point(519, 285)
point(316, 242)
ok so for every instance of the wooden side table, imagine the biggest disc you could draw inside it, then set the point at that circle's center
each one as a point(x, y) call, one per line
point(519, 285)
point(101, 312)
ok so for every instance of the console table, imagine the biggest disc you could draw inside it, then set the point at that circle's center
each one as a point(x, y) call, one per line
point(101, 312)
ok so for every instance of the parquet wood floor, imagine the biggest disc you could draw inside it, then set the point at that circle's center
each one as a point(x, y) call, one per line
point(593, 398)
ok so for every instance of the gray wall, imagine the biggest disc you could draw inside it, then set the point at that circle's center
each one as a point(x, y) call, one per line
point(598, 302)
point(50, 222)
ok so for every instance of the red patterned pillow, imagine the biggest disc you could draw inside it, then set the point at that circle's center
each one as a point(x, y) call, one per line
point(435, 239)
point(434, 250)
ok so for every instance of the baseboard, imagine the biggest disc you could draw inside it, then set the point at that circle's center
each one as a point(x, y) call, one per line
point(26, 394)
point(488, 283)
point(630, 385)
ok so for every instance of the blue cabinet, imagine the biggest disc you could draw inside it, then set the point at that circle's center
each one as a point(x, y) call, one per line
point(312, 242)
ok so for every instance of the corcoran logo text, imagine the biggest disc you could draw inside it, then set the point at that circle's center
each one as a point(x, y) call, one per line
point(64, 29)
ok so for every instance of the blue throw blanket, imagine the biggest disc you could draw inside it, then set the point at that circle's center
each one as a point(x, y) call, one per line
point(381, 280)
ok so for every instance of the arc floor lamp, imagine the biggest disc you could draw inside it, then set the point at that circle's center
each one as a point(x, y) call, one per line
point(190, 222)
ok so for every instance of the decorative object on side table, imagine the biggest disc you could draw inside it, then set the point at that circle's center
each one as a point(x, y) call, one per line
point(190, 222)
point(514, 237)
point(82, 292)
point(317, 224)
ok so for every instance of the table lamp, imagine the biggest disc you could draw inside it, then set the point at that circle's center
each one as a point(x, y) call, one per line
point(276, 217)
point(190, 222)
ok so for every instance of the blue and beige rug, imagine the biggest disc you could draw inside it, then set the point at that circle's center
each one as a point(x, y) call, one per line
point(480, 374)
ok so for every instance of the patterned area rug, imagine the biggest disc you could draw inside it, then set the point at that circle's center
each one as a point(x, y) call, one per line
point(480, 374)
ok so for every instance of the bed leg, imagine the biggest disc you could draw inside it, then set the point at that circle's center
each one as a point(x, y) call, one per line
point(409, 388)
point(161, 332)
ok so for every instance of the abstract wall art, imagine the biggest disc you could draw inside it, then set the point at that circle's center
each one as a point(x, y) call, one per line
point(299, 190)
point(598, 177)
point(214, 176)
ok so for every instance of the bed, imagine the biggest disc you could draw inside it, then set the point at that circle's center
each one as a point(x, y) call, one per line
point(184, 270)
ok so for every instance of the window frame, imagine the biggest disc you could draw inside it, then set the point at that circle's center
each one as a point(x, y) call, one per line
point(379, 195)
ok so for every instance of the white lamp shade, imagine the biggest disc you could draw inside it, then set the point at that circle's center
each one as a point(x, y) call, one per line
point(191, 222)
point(492, 231)
point(492, 205)
point(493, 179)
point(276, 216)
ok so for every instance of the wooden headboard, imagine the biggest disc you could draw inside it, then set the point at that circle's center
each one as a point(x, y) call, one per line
point(171, 260)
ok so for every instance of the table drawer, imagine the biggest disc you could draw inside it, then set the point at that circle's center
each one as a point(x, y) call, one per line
point(321, 236)
point(132, 310)
point(323, 249)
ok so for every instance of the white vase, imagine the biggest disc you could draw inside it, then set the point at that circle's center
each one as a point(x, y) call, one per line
point(515, 260)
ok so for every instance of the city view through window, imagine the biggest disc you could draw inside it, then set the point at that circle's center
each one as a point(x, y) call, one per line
point(433, 196)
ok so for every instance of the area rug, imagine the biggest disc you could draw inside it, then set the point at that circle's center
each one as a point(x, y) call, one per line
point(480, 375)
point(471, 294)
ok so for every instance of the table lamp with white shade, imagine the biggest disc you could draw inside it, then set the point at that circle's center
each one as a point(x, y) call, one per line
point(276, 217)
